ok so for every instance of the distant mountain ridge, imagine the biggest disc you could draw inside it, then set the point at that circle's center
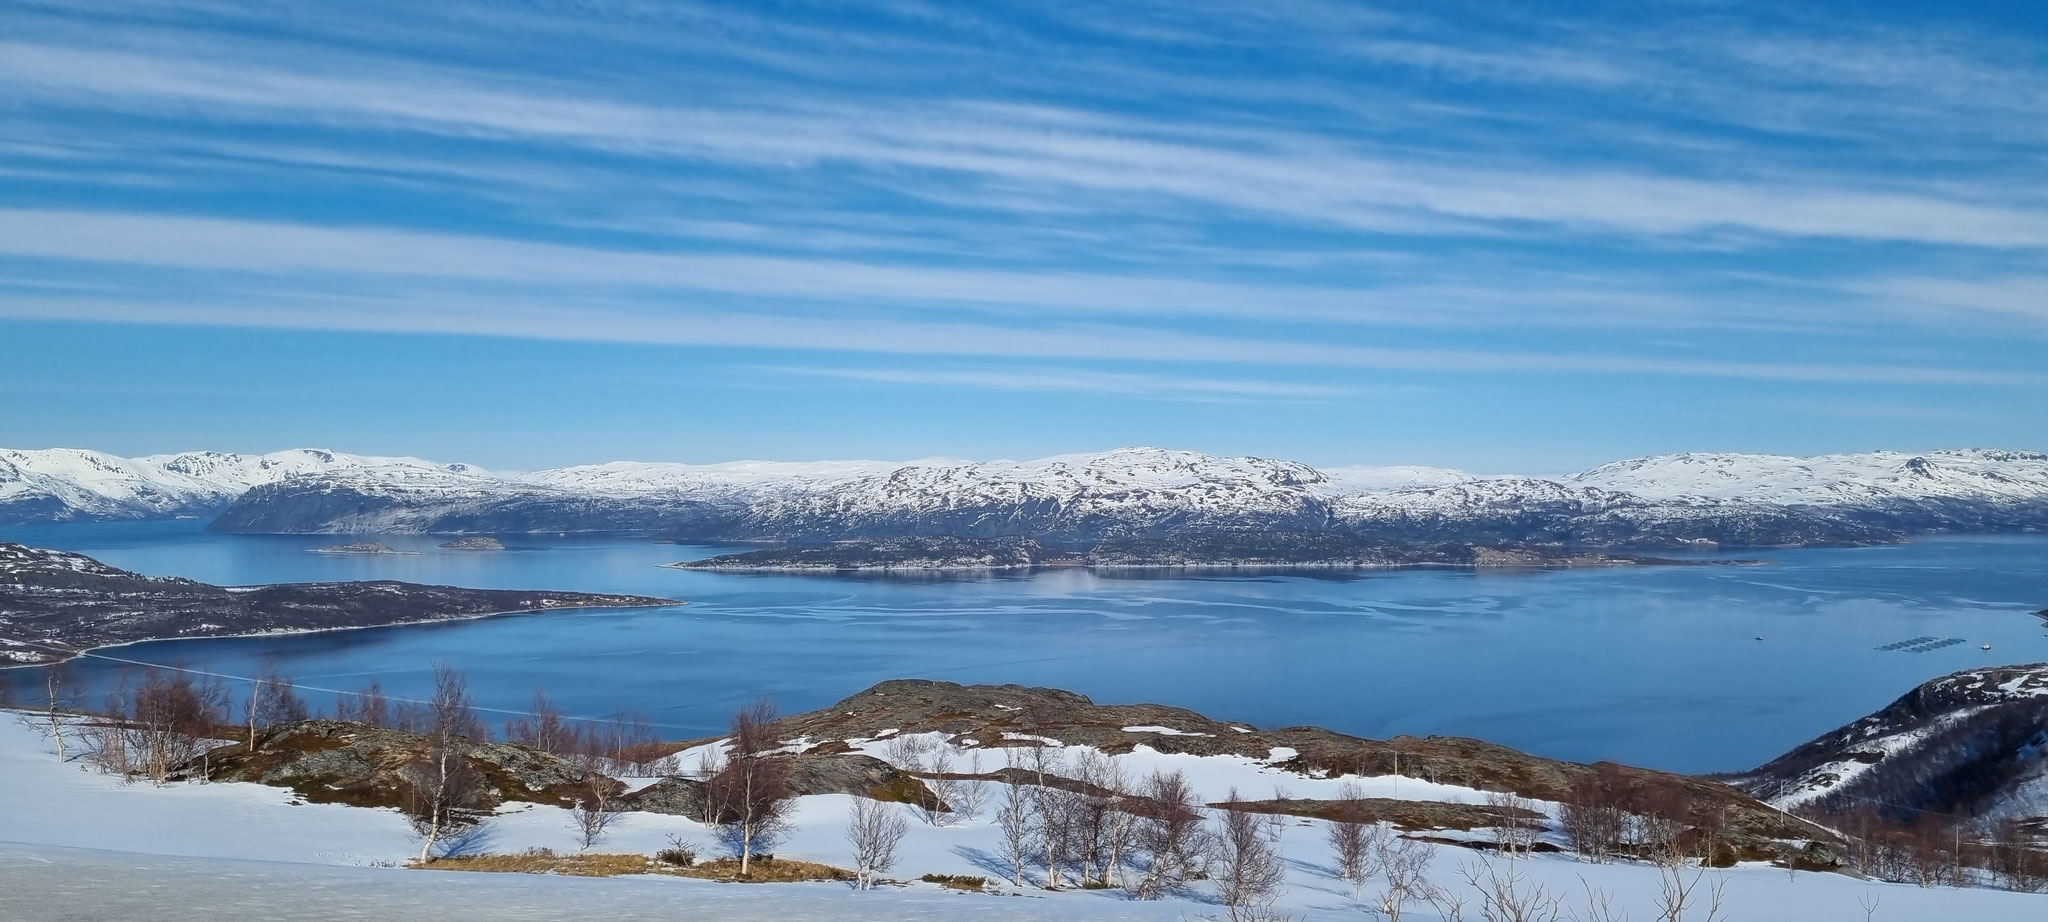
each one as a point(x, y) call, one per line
point(1666, 501)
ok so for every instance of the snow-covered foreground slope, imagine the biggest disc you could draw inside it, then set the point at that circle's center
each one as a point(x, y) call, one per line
point(1666, 501)
point(197, 851)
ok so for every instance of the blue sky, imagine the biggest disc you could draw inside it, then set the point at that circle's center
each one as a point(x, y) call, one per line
point(1495, 236)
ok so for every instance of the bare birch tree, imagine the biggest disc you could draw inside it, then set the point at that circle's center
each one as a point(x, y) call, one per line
point(1508, 894)
point(1054, 806)
point(1172, 841)
point(874, 830)
point(543, 728)
point(1013, 819)
point(1249, 871)
point(973, 790)
point(440, 779)
point(368, 706)
point(57, 705)
point(1356, 839)
point(1405, 863)
point(752, 790)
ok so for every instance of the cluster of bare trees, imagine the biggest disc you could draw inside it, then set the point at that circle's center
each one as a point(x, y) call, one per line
point(959, 788)
point(1608, 814)
point(622, 745)
point(1088, 822)
point(1934, 849)
point(151, 726)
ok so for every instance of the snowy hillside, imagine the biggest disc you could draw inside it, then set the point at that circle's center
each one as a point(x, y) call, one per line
point(1971, 743)
point(1830, 480)
point(85, 845)
point(60, 484)
point(1657, 502)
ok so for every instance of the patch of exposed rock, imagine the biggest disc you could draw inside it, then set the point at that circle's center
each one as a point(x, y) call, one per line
point(475, 543)
point(820, 771)
point(328, 761)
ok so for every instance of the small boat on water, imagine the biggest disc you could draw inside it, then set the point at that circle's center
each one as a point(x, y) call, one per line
point(1985, 647)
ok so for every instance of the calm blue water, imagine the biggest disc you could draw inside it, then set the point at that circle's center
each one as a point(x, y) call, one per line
point(1656, 666)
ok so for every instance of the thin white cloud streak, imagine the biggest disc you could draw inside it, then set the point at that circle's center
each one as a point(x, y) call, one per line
point(1301, 178)
point(2019, 298)
point(392, 257)
point(1172, 387)
point(766, 329)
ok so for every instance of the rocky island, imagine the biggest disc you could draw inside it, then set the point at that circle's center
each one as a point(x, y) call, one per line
point(55, 605)
point(358, 547)
point(474, 543)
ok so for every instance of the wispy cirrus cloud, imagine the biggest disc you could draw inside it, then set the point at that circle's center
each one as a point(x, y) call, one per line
point(1074, 380)
point(1234, 198)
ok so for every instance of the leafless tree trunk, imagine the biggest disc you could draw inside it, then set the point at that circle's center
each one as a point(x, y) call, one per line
point(945, 790)
point(1506, 894)
point(273, 700)
point(1054, 805)
point(711, 764)
point(59, 702)
point(1516, 837)
point(544, 729)
point(1678, 893)
point(1599, 906)
point(1405, 862)
point(368, 706)
point(1355, 839)
point(1276, 821)
point(1013, 819)
point(597, 806)
point(1172, 840)
point(874, 830)
point(974, 790)
point(1249, 870)
point(1103, 824)
point(753, 791)
point(440, 777)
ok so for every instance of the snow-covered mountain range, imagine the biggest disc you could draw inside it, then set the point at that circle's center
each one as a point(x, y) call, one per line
point(1662, 501)
point(64, 484)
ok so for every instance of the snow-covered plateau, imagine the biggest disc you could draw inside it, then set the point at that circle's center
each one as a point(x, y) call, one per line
point(1667, 501)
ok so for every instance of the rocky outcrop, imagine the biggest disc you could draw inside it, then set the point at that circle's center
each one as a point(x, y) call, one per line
point(326, 761)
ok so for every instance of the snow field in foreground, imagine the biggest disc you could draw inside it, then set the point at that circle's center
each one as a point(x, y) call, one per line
point(47, 807)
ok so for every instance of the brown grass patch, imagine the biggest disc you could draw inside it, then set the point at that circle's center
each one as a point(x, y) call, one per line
point(601, 864)
point(773, 870)
point(543, 861)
